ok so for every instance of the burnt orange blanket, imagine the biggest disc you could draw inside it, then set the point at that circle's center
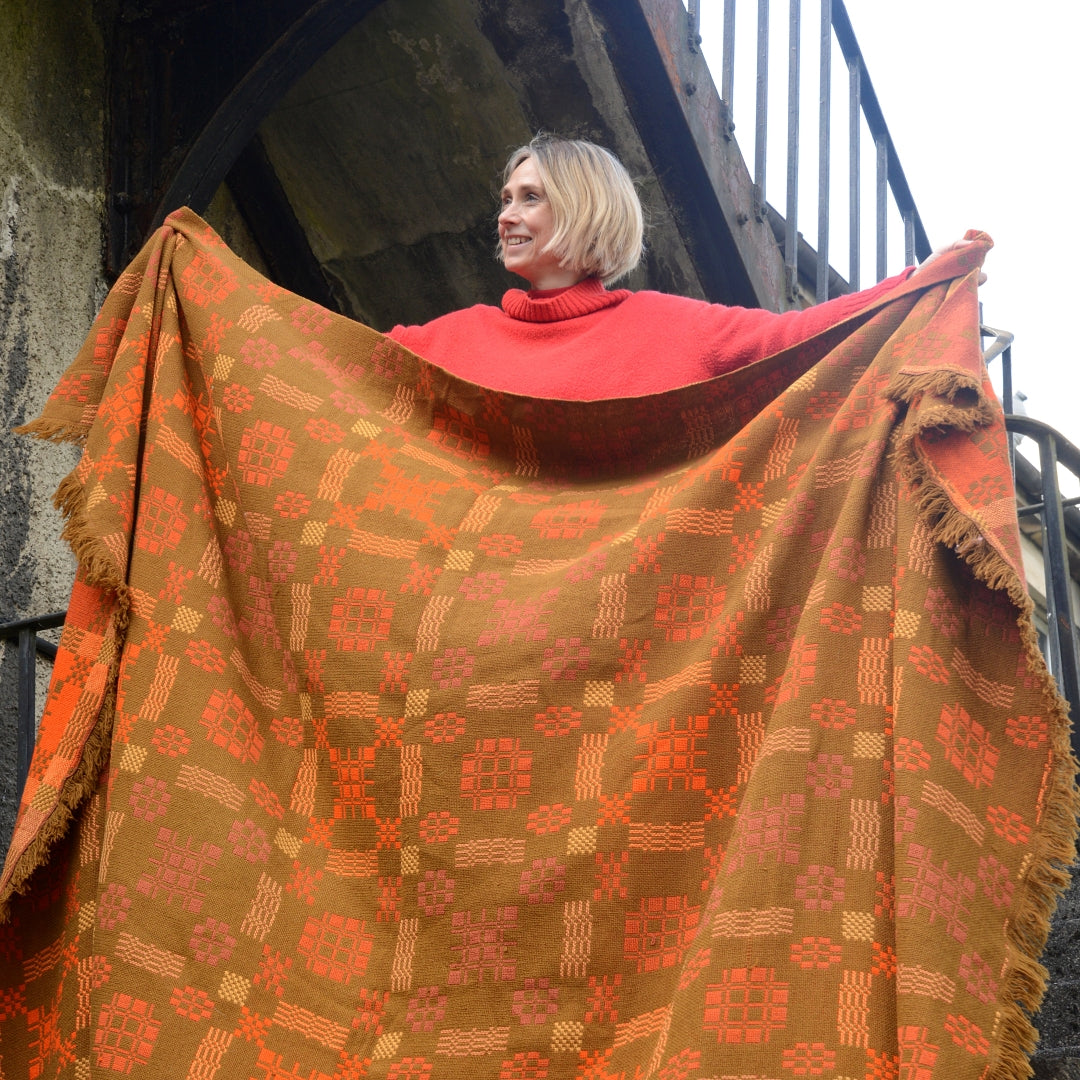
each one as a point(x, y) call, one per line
point(410, 730)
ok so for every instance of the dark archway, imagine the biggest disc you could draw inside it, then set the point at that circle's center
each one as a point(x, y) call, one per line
point(190, 84)
point(355, 143)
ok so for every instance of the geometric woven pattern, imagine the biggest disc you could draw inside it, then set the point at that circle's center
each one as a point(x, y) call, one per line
point(406, 729)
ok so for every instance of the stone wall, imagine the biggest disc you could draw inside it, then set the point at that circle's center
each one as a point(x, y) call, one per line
point(52, 94)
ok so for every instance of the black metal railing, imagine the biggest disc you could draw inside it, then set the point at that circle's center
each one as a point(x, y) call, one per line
point(25, 633)
point(834, 25)
point(1058, 1051)
point(862, 108)
point(1055, 451)
point(1056, 516)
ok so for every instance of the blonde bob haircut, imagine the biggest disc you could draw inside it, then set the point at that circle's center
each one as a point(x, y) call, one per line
point(594, 205)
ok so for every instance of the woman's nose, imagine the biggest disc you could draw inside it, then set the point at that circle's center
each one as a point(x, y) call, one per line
point(509, 212)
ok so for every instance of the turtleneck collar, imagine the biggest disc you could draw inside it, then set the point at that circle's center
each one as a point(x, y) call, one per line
point(554, 305)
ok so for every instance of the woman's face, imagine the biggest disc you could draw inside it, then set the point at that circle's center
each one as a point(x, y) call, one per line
point(526, 225)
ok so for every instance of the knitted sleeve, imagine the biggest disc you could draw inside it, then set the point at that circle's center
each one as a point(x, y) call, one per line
point(735, 336)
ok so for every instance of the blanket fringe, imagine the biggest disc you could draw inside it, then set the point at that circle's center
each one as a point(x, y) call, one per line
point(98, 568)
point(57, 431)
point(79, 787)
point(1053, 844)
point(957, 388)
point(95, 561)
point(961, 405)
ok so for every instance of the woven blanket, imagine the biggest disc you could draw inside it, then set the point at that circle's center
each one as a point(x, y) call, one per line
point(406, 729)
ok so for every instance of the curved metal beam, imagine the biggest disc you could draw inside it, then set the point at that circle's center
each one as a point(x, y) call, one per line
point(239, 115)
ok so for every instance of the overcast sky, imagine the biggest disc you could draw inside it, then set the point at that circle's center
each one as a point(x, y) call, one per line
point(979, 96)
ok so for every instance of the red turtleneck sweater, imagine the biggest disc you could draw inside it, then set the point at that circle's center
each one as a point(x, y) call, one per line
point(587, 342)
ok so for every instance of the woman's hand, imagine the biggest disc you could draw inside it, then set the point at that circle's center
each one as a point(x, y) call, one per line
point(956, 245)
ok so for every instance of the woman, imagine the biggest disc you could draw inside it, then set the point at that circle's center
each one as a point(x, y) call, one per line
point(570, 224)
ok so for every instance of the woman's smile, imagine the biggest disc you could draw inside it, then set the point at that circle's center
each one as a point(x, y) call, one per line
point(526, 225)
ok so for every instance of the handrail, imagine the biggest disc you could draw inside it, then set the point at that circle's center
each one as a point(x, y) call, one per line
point(863, 106)
point(1054, 451)
point(25, 632)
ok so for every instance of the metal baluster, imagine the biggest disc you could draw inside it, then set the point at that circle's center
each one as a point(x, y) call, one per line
point(727, 83)
point(824, 148)
point(1007, 400)
point(693, 19)
point(909, 237)
point(854, 174)
point(1059, 615)
point(761, 129)
point(882, 201)
point(791, 231)
point(27, 707)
